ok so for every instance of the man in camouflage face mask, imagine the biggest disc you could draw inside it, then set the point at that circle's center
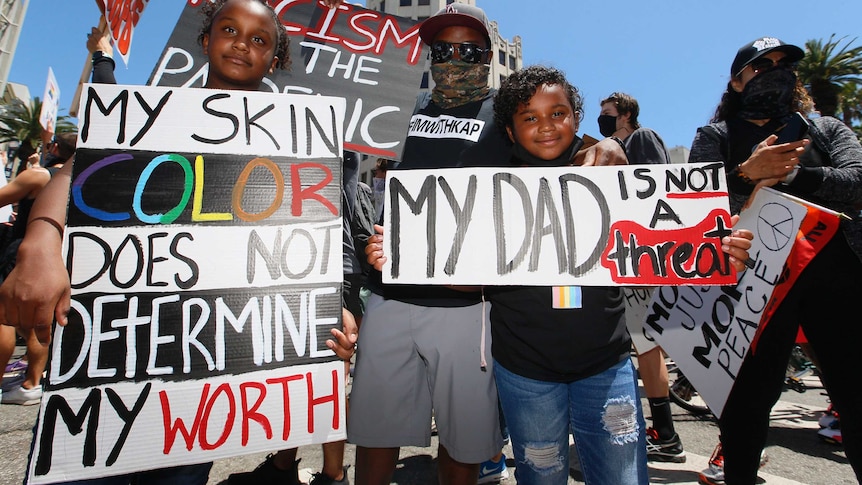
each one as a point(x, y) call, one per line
point(403, 375)
point(420, 343)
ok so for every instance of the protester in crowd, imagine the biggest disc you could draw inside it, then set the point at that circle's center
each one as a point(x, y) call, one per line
point(412, 335)
point(824, 167)
point(547, 387)
point(102, 52)
point(619, 118)
point(362, 227)
point(423, 348)
point(38, 290)
point(561, 370)
point(22, 190)
point(378, 185)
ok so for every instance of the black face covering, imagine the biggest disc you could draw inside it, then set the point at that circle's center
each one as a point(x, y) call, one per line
point(607, 125)
point(768, 95)
point(522, 157)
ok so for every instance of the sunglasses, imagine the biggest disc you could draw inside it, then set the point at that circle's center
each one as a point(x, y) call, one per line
point(442, 51)
point(764, 63)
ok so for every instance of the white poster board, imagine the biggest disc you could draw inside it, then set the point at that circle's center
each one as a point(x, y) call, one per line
point(708, 330)
point(637, 299)
point(558, 226)
point(203, 245)
point(50, 103)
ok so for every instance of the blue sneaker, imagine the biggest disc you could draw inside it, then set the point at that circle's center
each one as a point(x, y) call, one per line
point(492, 472)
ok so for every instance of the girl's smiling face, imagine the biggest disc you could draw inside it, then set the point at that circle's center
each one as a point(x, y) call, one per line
point(546, 125)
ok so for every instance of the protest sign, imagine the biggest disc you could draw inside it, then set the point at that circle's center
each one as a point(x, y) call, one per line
point(595, 226)
point(373, 59)
point(708, 330)
point(637, 299)
point(50, 103)
point(122, 17)
point(203, 246)
point(6, 210)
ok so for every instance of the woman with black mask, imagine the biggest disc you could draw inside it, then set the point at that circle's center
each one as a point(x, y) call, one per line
point(824, 167)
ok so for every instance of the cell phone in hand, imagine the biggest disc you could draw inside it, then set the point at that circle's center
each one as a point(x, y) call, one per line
point(795, 129)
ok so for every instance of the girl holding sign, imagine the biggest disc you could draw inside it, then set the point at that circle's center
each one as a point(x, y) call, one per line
point(244, 41)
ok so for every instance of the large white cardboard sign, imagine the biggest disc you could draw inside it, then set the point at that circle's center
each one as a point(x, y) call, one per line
point(708, 330)
point(204, 250)
point(50, 103)
point(596, 226)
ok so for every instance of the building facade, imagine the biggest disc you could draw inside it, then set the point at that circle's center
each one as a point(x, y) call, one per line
point(11, 19)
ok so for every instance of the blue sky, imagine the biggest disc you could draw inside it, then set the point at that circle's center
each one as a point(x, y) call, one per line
point(672, 55)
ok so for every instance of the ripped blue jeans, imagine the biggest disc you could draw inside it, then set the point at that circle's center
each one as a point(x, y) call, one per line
point(603, 413)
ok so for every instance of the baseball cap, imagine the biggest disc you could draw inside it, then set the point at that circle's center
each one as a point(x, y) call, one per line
point(455, 14)
point(760, 47)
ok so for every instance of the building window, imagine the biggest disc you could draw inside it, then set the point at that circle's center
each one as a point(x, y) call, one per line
point(502, 78)
point(512, 63)
point(501, 56)
point(406, 3)
point(424, 2)
point(424, 84)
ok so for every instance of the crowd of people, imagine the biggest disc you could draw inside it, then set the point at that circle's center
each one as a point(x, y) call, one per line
point(494, 363)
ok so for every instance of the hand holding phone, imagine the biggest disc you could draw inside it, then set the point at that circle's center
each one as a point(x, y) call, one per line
point(795, 129)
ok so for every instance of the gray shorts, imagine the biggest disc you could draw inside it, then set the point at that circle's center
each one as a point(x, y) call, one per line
point(412, 359)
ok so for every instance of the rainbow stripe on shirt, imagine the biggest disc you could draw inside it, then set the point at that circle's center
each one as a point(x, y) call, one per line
point(564, 297)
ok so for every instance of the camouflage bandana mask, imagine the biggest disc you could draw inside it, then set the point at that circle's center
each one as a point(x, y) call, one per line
point(457, 83)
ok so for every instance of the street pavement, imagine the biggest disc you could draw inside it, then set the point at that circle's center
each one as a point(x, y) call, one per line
point(796, 455)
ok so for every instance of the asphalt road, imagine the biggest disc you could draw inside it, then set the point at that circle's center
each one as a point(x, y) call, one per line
point(796, 455)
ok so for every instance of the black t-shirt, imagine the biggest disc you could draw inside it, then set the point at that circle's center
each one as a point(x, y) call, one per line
point(535, 340)
point(463, 136)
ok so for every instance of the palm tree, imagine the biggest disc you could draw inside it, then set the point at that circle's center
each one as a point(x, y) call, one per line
point(851, 107)
point(851, 103)
point(20, 123)
point(825, 71)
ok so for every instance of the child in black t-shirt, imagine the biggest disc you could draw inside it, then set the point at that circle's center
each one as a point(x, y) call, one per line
point(565, 367)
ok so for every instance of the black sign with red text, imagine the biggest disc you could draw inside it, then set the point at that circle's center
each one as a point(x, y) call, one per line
point(372, 59)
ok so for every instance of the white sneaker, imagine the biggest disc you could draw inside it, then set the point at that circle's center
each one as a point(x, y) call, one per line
point(24, 397)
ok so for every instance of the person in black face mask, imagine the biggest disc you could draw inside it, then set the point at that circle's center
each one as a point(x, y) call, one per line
point(619, 119)
point(824, 167)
